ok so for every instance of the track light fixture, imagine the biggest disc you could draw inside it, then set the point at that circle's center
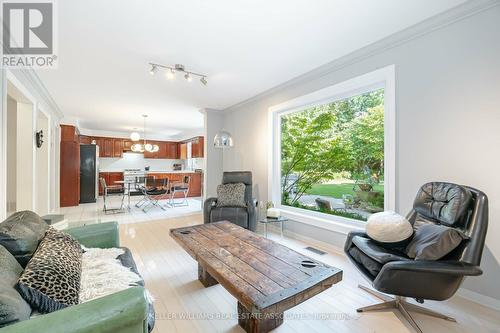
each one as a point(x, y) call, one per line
point(153, 69)
point(171, 71)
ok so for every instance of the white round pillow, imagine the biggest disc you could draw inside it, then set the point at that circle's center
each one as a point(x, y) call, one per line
point(389, 228)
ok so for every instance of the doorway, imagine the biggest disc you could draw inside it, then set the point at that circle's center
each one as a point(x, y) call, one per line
point(20, 151)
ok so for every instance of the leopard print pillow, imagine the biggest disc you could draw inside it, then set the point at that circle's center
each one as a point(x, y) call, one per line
point(51, 280)
point(231, 195)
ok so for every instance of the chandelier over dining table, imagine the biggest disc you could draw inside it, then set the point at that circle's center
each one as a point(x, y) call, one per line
point(144, 146)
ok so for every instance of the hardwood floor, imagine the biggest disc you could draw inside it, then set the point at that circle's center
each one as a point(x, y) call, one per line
point(183, 305)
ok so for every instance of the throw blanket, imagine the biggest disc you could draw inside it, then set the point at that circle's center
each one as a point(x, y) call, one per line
point(103, 274)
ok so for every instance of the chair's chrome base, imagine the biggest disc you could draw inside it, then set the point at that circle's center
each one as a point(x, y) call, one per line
point(402, 305)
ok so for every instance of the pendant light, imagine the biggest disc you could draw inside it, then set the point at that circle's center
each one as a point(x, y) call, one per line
point(142, 147)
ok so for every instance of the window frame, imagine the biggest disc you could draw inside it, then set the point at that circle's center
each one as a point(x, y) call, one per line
point(378, 79)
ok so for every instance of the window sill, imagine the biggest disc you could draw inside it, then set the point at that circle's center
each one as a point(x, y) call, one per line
point(334, 223)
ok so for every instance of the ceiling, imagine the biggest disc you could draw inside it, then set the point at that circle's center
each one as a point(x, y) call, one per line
point(245, 47)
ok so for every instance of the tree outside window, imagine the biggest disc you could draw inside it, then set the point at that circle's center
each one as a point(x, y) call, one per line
point(332, 157)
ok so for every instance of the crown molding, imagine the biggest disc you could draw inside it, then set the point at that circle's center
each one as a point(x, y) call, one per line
point(39, 89)
point(420, 29)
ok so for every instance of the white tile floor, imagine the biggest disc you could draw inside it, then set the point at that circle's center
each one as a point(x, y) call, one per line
point(94, 211)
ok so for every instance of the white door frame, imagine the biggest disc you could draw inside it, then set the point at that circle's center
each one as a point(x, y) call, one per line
point(9, 77)
point(48, 141)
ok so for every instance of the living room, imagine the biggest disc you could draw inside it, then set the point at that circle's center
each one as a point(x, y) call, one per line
point(341, 180)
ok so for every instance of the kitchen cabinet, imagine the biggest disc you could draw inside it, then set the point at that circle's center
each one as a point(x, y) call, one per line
point(117, 147)
point(172, 150)
point(110, 178)
point(114, 147)
point(85, 140)
point(148, 154)
point(107, 147)
point(99, 142)
point(183, 151)
point(69, 174)
point(162, 152)
point(69, 133)
point(127, 145)
point(196, 185)
point(69, 164)
point(197, 147)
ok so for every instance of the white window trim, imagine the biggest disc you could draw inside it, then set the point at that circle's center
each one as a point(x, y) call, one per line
point(381, 78)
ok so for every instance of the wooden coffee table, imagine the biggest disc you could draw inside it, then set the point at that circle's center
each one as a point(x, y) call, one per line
point(265, 277)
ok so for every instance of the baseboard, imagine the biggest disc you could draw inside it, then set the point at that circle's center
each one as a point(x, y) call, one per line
point(481, 299)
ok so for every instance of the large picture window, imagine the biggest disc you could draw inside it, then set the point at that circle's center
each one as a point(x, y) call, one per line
point(333, 150)
point(332, 157)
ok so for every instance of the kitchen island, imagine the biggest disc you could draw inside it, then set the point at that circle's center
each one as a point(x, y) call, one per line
point(177, 176)
point(173, 176)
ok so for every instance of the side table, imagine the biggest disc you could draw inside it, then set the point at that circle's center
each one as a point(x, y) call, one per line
point(269, 220)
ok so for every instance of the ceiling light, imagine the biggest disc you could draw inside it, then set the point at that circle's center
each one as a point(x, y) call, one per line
point(170, 74)
point(137, 148)
point(142, 147)
point(134, 136)
point(171, 71)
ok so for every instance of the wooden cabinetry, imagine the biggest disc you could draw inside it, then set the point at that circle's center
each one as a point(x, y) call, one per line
point(69, 133)
point(100, 143)
point(114, 147)
point(127, 145)
point(197, 147)
point(162, 152)
point(148, 154)
point(107, 147)
point(110, 178)
point(117, 147)
point(85, 140)
point(167, 150)
point(69, 181)
point(183, 151)
point(172, 149)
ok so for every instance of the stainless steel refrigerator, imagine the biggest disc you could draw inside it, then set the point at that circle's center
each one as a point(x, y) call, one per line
point(89, 173)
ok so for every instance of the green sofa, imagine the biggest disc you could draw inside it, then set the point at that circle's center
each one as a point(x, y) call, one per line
point(122, 312)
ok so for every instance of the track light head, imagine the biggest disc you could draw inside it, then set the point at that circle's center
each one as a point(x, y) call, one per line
point(170, 74)
point(153, 69)
point(188, 77)
point(203, 80)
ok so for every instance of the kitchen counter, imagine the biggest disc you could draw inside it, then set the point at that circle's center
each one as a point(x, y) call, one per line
point(154, 171)
point(172, 171)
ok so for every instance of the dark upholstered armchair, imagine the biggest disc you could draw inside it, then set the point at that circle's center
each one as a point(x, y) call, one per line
point(242, 216)
point(392, 272)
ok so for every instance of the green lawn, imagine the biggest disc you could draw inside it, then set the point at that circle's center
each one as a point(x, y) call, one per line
point(336, 190)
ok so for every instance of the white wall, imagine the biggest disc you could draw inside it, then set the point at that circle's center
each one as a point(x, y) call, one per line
point(11, 190)
point(214, 121)
point(42, 166)
point(25, 163)
point(447, 110)
point(28, 86)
